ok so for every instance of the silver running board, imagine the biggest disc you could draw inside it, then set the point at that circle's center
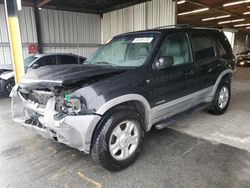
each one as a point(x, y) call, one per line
point(167, 122)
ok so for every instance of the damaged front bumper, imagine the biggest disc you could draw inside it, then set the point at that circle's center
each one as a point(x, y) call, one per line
point(74, 131)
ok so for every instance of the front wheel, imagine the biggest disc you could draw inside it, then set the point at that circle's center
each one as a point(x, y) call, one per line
point(6, 86)
point(118, 139)
point(221, 99)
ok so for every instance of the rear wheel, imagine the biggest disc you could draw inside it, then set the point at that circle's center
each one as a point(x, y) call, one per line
point(118, 139)
point(0, 89)
point(6, 86)
point(221, 99)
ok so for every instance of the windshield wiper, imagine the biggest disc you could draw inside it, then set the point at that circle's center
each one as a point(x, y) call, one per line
point(106, 63)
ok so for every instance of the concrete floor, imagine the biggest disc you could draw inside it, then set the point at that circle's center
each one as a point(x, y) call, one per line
point(189, 154)
point(232, 128)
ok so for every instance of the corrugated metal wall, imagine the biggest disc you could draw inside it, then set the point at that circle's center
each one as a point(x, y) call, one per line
point(70, 32)
point(81, 33)
point(241, 42)
point(4, 41)
point(146, 15)
point(28, 33)
point(63, 32)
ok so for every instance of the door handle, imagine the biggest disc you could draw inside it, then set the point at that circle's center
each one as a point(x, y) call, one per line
point(189, 73)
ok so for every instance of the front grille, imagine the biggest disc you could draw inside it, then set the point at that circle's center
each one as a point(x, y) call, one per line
point(41, 98)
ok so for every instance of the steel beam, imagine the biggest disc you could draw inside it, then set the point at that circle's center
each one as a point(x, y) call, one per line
point(43, 2)
point(213, 8)
point(14, 38)
point(38, 30)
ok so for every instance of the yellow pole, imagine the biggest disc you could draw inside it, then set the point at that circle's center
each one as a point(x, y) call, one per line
point(15, 38)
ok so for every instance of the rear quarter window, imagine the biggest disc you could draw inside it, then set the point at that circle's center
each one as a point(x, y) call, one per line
point(203, 47)
point(220, 48)
point(227, 46)
point(223, 47)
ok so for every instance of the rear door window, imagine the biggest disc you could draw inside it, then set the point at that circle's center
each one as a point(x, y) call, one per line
point(66, 59)
point(203, 47)
point(47, 60)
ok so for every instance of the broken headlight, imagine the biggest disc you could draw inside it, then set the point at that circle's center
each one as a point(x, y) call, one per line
point(70, 105)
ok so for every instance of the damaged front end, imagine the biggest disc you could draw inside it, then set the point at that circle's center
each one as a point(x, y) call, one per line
point(55, 114)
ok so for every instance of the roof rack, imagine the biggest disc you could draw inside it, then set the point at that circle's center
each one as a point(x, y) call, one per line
point(173, 26)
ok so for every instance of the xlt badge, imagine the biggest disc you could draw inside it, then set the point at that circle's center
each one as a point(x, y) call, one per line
point(160, 102)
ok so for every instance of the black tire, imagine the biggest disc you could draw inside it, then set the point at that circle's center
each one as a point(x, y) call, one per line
point(100, 143)
point(0, 89)
point(6, 87)
point(215, 108)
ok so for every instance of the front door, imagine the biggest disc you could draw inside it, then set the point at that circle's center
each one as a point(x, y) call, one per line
point(174, 85)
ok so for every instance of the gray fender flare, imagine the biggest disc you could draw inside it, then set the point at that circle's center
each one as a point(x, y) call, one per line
point(225, 72)
point(126, 98)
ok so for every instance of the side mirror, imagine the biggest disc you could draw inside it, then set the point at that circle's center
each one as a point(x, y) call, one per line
point(164, 62)
point(35, 66)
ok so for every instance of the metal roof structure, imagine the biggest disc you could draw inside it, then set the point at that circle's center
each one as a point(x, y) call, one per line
point(86, 6)
point(234, 14)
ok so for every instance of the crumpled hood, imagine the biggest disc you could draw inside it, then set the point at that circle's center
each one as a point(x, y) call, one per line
point(51, 76)
point(6, 67)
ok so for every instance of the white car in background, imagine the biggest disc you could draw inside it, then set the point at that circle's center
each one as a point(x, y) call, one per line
point(7, 79)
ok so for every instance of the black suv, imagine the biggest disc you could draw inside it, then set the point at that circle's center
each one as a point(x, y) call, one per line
point(133, 83)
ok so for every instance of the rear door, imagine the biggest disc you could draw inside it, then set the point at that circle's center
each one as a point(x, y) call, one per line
point(173, 84)
point(205, 58)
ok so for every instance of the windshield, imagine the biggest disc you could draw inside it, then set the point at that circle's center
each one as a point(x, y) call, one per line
point(125, 51)
point(29, 60)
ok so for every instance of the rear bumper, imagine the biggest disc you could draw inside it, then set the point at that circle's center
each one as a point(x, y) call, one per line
point(74, 131)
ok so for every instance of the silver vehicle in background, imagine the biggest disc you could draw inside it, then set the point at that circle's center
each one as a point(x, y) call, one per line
point(7, 79)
